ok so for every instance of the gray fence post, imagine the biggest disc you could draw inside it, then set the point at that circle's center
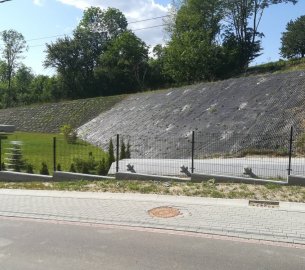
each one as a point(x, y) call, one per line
point(117, 152)
point(193, 151)
point(290, 150)
point(54, 154)
point(0, 154)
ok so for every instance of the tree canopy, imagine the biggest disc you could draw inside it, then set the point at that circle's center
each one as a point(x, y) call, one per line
point(293, 40)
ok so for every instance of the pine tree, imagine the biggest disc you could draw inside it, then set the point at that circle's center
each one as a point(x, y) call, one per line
point(102, 167)
point(128, 150)
point(111, 157)
point(123, 150)
point(16, 161)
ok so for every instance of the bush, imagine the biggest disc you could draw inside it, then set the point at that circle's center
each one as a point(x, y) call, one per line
point(58, 167)
point(72, 168)
point(301, 144)
point(85, 166)
point(102, 168)
point(44, 169)
point(29, 168)
point(69, 134)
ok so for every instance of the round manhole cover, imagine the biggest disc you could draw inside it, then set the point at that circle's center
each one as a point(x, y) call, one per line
point(164, 212)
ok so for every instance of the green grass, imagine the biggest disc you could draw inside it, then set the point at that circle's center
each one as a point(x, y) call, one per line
point(210, 189)
point(38, 148)
point(278, 67)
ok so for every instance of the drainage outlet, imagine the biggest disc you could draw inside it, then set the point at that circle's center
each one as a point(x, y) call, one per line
point(164, 212)
point(268, 204)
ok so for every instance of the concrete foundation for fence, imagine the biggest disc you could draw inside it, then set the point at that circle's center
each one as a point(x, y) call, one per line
point(7, 128)
point(148, 177)
point(23, 177)
point(296, 180)
point(66, 176)
point(232, 179)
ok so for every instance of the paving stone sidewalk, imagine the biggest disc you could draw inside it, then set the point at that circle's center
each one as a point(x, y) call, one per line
point(213, 216)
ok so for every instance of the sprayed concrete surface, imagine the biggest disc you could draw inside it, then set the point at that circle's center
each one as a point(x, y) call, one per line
point(262, 105)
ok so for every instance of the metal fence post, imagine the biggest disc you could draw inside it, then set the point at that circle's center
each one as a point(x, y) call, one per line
point(54, 154)
point(193, 150)
point(0, 154)
point(290, 150)
point(117, 152)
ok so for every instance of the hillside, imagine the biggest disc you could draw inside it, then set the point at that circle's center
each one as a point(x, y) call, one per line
point(248, 107)
point(50, 117)
point(262, 105)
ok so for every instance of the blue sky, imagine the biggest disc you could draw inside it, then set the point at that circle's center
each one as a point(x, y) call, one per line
point(44, 18)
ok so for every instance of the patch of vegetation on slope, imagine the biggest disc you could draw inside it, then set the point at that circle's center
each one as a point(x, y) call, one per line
point(50, 117)
point(280, 66)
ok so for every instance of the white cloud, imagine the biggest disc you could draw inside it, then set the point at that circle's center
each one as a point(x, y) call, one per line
point(134, 10)
point(38, 2)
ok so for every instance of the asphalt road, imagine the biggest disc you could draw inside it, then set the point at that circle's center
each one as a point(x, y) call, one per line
point(30, 245)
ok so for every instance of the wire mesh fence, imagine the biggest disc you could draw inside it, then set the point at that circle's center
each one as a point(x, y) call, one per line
point(246, 155)
point(243, 155)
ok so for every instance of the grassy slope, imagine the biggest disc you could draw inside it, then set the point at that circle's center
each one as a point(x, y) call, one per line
point(38, 148)
point(277, 67)
point(49, 117)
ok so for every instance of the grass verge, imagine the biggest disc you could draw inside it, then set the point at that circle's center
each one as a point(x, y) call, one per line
point(207, 189)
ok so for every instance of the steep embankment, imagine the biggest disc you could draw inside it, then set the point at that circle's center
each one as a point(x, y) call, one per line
point(263, 105)
point(51, 116)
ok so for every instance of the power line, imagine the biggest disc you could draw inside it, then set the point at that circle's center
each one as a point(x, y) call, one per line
point(150, 19)
point(145, 20)
point(139, 29)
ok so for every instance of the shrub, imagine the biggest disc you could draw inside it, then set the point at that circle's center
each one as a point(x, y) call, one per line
point(44, 169)
point(85, 166)
point(111, 157)
point(301, 144)
point(29, 168)
point(69, 133)
point(72, 168)
point(58, 167)
point(102, 168)
point(122, 150)
point(16, 160)
point(128, 150)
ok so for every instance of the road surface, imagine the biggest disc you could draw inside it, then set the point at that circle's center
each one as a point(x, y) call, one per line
point(31, 245)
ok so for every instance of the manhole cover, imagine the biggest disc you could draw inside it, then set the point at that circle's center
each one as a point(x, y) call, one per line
point(164, 212)
point(269, 204)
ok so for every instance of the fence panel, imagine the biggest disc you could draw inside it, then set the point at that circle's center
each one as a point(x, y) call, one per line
point(156, 156)
point(79, 157)
point(27, 155)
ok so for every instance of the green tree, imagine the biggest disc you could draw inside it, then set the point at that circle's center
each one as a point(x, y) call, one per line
point(22, 85)
point(76, 58)
point(14, 45)
point(64, 56)
point(244, 18)
point(125, 63)
point(69, 133)
point(16, 161)
point(128, 155)
point(111, 157)
point(293, 40)
point(193, 51)
point(156, 76)
point(122, 150)
point(102, 167)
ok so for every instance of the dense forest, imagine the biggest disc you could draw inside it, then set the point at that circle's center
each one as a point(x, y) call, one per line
point(207, 40)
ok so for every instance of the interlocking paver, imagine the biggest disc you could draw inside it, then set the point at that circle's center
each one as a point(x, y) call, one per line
point(198, 215)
